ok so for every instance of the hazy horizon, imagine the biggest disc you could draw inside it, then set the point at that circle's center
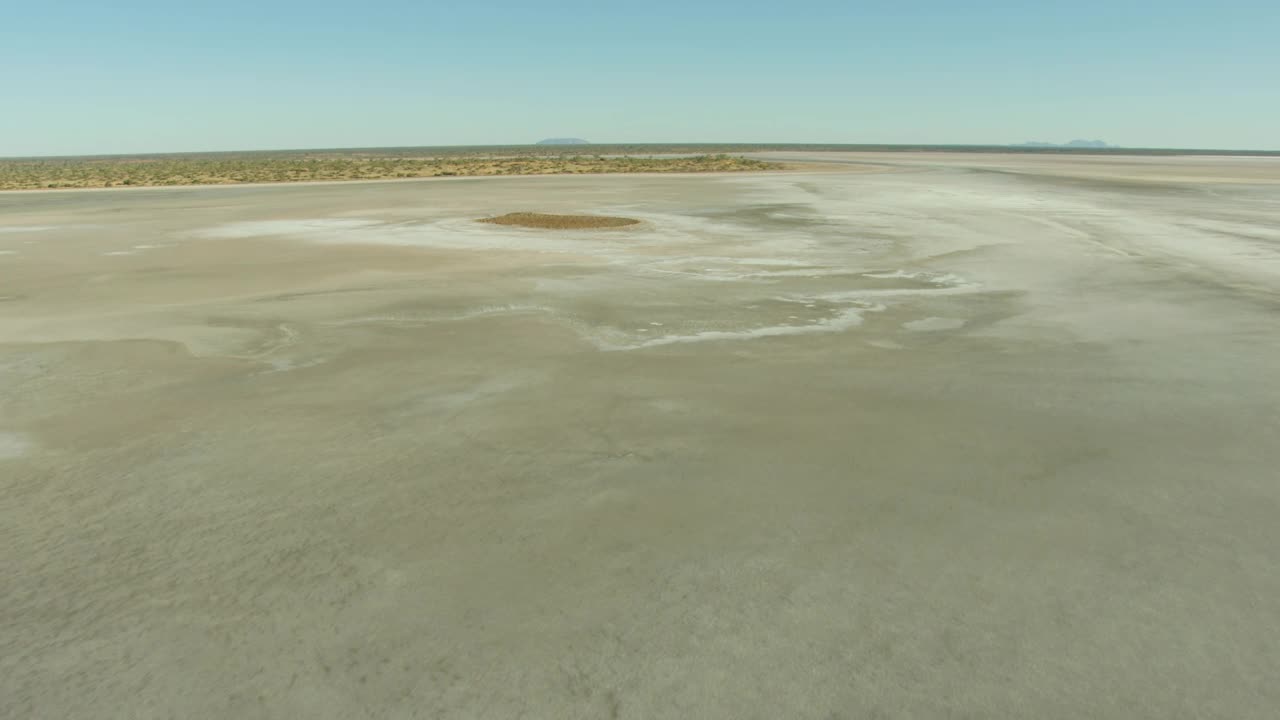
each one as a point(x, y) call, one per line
point(145, 77)
point(1050, 148)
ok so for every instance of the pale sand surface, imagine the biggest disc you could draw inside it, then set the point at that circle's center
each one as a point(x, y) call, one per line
point(1264, 169)
point(966, 438)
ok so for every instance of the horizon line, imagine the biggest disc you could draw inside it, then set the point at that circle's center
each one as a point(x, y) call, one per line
point(1017, 147)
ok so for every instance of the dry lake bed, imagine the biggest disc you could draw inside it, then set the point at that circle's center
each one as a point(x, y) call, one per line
point(920, 436)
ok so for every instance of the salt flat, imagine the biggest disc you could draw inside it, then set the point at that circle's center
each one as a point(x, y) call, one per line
point(971, 436)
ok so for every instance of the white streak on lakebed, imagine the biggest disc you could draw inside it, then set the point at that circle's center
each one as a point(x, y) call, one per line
point(806, 269)
point(320, 227)
point(14, 445)
point(135, 250)
point(844, 320)
point(5, 229)
point(931, 324)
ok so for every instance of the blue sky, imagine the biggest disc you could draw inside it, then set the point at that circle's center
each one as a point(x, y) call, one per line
point(119, 77)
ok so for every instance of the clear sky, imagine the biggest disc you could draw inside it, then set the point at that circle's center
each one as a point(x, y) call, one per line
point(125, 76)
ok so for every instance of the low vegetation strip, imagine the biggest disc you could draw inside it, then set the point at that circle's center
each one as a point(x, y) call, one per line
point(159, 171)
point(559, 222)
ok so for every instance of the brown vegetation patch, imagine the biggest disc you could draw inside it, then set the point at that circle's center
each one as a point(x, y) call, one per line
point(311, 166)
point(559, 222)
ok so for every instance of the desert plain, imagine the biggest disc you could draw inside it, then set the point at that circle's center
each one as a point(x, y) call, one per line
point(896, 435)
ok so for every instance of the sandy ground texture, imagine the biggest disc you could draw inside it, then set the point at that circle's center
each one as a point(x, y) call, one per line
point(971, 437)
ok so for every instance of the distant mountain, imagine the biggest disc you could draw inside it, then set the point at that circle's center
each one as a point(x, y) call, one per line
point(563, 141)
point(1072, 144)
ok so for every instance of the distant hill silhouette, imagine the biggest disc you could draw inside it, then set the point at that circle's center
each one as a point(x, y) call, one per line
point(563, 141)
point(1072, 144)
